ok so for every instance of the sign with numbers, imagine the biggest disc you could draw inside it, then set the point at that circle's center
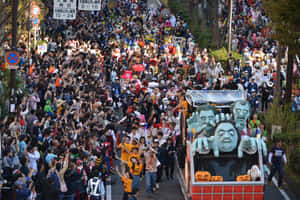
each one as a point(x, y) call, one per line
point(89, 5)
point(64, 9)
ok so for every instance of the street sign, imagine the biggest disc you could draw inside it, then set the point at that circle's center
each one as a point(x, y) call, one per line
point(35, 10)
point(12, 58)
point(64, 9)
point(35, 21)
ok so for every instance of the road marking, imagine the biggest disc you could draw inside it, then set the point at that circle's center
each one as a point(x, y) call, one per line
point(283, 193)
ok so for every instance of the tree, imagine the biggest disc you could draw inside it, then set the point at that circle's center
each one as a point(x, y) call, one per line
point(286, 27)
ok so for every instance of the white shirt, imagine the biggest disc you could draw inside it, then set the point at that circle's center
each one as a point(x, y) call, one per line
point(33, 158)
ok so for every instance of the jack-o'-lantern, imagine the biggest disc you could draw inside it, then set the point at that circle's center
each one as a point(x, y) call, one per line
point(202, 176)
point(243, 178)
point(216, 178)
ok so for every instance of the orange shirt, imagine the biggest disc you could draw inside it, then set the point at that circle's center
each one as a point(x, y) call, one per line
point(127, 184)
point(124, 153)
point(184, 105)
point(137, 155)
point(136, 170)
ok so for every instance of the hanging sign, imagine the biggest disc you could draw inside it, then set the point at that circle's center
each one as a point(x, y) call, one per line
point(64, 9)
point(89, 5)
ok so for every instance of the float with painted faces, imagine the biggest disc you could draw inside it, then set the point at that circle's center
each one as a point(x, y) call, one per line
point(219, 151)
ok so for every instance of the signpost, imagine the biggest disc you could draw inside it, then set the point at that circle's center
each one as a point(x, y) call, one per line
point(12, 59)
point(35, 23)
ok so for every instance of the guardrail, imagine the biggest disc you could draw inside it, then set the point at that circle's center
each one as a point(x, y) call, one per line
point(181, 180)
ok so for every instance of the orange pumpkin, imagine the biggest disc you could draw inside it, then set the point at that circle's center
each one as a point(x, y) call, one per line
point(202, 176)
point(243, 178)
point(216, 178)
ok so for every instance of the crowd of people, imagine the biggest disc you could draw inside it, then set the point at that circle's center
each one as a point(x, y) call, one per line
point(116, 79)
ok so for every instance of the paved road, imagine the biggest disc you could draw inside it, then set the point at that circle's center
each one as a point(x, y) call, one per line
point(169, 190)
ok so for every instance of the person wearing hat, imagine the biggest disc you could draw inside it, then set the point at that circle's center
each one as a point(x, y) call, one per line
point(248, 68)
point(252, 86)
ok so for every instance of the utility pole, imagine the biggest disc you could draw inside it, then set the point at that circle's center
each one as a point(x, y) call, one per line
point(2, 32)
point(29, 24)
point(14, 45)
point(230, 25)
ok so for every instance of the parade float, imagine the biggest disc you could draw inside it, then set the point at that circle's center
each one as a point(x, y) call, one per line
point(222, 161)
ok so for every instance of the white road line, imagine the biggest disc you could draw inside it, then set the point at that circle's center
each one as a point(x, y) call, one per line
point(283, 193)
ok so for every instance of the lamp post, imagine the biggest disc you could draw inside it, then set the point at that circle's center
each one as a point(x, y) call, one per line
point(230, 26)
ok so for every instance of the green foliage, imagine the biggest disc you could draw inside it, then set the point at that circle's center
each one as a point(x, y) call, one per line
point(281, 115)
point(285, 22)
point(294, 158)
point(284, 117)
point(221, 55)
point(202, 37)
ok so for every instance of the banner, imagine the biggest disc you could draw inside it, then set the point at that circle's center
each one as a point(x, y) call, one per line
point(199, 97)
point(42, 48)
point(64, 9)
point(89, 5)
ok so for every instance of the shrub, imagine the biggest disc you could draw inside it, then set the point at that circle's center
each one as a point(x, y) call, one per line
point(221, 55)
point(294, 160)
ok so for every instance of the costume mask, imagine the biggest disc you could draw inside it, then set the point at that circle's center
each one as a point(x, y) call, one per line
point(241, 112)
point(226, 137)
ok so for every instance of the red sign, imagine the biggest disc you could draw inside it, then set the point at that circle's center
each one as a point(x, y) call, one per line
point(35, 10)
point(35, 21)
point(12, 58)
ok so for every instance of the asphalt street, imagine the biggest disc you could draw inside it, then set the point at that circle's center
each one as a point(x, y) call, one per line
point(170, 189)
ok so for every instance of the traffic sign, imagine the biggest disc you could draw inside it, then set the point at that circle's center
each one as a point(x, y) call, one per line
point(35, 21)
point(12, 58)
point(35, 10)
